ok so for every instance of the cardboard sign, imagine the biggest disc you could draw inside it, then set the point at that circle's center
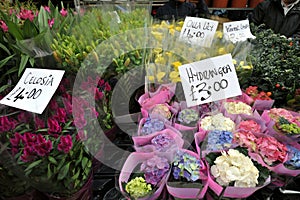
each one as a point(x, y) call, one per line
point(237, 31)
point(209, 80)
point(34, 90)
point(198, 31)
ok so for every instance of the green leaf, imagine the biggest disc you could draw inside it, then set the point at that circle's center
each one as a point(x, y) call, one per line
point(52, 160)
point(5, 49)
point(84, 162)
point(29, 29)
point(4, 87)
point(24, 60)
point(14, 30)
point(75, 177)
point(43, 20)
point(31, 61)
point(32, 165)
point(5, 60)
point(63, 171)
point(49, 173)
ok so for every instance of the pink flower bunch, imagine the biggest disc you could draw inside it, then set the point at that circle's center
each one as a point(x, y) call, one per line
point(31, 145)
point(275, 113)
point(271, 150)
point(3, 26)
point(249, 125)
point(26, 14)
point(245, 138)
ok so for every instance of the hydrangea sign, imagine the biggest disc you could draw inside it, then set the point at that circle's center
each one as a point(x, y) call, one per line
point(237, 31)
point(198, 31)
point(34, 90)
point(209, 80)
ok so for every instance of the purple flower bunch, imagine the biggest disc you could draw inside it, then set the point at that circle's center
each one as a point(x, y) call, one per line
point(186, 166)
point(219, 140)
point(162, 142)
point(294, 157)
point(155, 169)
point(152, 125)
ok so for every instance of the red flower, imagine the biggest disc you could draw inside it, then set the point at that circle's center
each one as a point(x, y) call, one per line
point(61, 115)
point(65, 144)
point(39, 123)
point(53, 126)
point(42, 146)
point(16, 140)
point(6, 124)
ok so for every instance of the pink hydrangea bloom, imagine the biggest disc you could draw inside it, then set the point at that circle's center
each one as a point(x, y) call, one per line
point(245, 138)
point(250, 125)
point(270, 149)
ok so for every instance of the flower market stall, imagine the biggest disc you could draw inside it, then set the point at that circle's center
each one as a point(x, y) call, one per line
point(170, 113)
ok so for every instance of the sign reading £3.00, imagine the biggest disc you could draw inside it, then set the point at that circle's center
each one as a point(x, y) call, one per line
point(34, 90)
point(209, 80)
point(198, 31)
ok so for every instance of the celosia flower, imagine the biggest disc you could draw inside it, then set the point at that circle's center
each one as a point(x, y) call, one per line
point(63, 12)
point(61, 115)
point(233, 166)
point(65, 144)
point(217, 122)
point(3, 26)
point(80, 121)
point(39, 123)
point(219, 140)
point(270, 149)
point(6, 124)
point(152, 126)
point(188, 116)
point(186, 166)
point(42, 146)
point(53, 126)
point(154, 169)
point(162, 142)
point(24, 117)
point(138, 188)
point(26, 14)
point(238, 108)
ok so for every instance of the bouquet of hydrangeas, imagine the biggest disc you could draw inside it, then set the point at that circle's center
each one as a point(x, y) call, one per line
point(188, 178)
point(143, 176)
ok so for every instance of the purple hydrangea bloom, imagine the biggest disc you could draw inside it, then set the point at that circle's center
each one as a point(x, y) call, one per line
point(162, 142)
point(152, 126)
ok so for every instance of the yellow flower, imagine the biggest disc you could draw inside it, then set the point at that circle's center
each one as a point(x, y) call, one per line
point(176, 65)
point(177, 28)
point(164, 24)
point(172, 31)
point(201, 56)
point(174, 76)
point(160, 75)
point(242, 63)
point(219, 34)
point(247, 67)
point(234, 61)
point(180, 23)
point(222, 50)
point(157, 35)
point(160, 60)
point(151, 78)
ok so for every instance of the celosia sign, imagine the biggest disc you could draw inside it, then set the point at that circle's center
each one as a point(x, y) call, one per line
point(34, 90)
point(209, 80)
point(198, 31)
point(237, 31)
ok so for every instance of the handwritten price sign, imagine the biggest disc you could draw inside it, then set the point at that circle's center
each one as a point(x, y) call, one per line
point(198, 31)
point(237, 31)
point(209, 80)
point(34, 90)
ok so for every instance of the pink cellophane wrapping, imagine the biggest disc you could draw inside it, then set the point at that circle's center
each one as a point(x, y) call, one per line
point(233, 192)
point(263, 104)
point(279, 168)
point(143, 143)
point(133, 160)
point(162, 95)
point(191, 193)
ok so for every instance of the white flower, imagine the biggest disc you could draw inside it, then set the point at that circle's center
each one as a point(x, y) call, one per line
point(238, 108)
point(217, 122)
point(233, 166)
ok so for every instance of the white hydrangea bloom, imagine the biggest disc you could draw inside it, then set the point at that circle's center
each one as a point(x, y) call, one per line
point(238, 108)
point(217, 122)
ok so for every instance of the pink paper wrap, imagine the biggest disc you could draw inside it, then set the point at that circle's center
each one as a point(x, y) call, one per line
point(191, 193)
point(133, 160)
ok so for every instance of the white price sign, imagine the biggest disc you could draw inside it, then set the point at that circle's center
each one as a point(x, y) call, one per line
point(237, 31)
point(34, 90)
point(198, 31)
point(209, 80)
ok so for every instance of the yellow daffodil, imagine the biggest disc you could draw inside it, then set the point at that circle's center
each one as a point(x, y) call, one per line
point(221, 51)
point(174, 76)
point(160, 60)
point(234, 61)
point(219, 34)
point(151, 78)
point(177, 28)
point(242, 63)
point(246, 67)
point(157, 35)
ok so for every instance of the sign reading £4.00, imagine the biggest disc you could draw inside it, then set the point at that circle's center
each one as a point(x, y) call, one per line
point(209, 80)
point(237, 31)
point(34, 90)
point(198, 31)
